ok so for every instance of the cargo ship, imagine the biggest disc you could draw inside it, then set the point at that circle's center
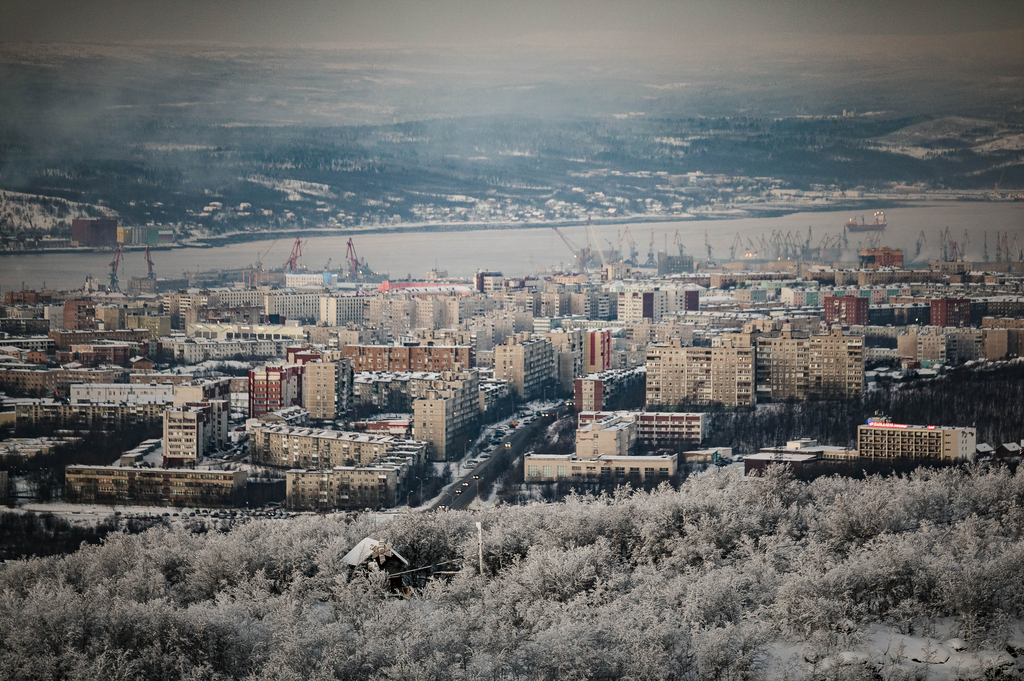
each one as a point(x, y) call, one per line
point(877, 226)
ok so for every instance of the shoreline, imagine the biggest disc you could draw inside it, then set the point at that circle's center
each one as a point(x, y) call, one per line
point(428, 228)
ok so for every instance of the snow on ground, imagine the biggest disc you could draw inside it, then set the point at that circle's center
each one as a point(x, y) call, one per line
point(940, 657)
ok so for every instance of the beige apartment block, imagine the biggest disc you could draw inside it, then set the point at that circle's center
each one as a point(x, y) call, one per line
point(447, 415)
point(613, 435)
point(528, 364)
point(326, 388)
point(677, 374)
point(294, 447)
point(883, 439)
point(565, 468)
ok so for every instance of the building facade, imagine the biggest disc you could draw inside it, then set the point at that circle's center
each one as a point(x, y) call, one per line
point(882, 439)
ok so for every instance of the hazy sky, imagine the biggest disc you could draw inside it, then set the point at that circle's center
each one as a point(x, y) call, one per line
point(482, 21)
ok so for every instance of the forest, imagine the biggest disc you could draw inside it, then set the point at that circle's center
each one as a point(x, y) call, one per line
point(725, 578)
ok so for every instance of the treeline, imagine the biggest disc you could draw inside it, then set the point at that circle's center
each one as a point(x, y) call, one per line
point(726, 578)
point(990, 399)
point(36, 535)
point(44, 473)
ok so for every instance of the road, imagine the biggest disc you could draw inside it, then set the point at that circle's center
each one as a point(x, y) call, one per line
point(461, 493)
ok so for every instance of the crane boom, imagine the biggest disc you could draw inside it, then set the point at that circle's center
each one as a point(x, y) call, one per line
point(577, 254)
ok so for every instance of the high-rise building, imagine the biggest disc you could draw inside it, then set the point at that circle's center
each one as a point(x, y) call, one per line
point(678, 374)
point(528, 364)
point(636, 306)
point(448, 415)
point(327, 388)
point(273, 387)
point(794, 367)
point(951, 312)
point(845, 310)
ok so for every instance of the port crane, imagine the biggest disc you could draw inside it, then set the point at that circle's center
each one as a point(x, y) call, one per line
point(736, 243)
point(597, 243)
point(114, 264)
point(921, 241)
point(149, 264)
point(293, 260)
point(678, 241)
point(632, 246)
point(578, 253)
point(985, 251)
point(651, 262)
point(707, 244)
point(353, 259)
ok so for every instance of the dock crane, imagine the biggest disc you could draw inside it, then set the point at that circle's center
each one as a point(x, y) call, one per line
point(678, 241)
point(597, 243)
point(999, 247)
point(632, 246)
point(651, 262)
point(944, 244)
point(921, 241)
point(259, 256)
point(293, 260)
point(353, 259)
point(578, 254)
point(149, 264)
point(985, 251)
point(707, 244)
point(736, 243)
point(1017, 249)
point(114, 264)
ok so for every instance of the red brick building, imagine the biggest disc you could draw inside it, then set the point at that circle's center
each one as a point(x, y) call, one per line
point(79, 315)
point(845, 310)
point(951, 312)
point(873, 258)
point(414, 358)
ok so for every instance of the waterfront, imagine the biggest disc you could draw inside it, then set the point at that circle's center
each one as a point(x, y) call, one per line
point(521, 251)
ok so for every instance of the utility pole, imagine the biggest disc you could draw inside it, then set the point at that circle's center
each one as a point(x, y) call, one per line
point(480, 546)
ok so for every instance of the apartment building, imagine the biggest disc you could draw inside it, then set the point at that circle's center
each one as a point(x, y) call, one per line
point(678, 374)
point(409, 358)
point(790, 366)
point(197, 350)
point(636, 306)
point(121, 392)
point(539, 468)
point(657, 430)
point(882, 439)
point(873, 258)
point(188, 432)
point(447, 414)
point(569, 348)
point(345, 487)
point(951, 312)
point(327, 388)
point(340, 310)
point(607, 390)
point(528, 364)
point(154, 486)
point(845, 310)
point(292, 447)
point(304, 305)
point(274, 387)
point(612, 435)
point(90, 416)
